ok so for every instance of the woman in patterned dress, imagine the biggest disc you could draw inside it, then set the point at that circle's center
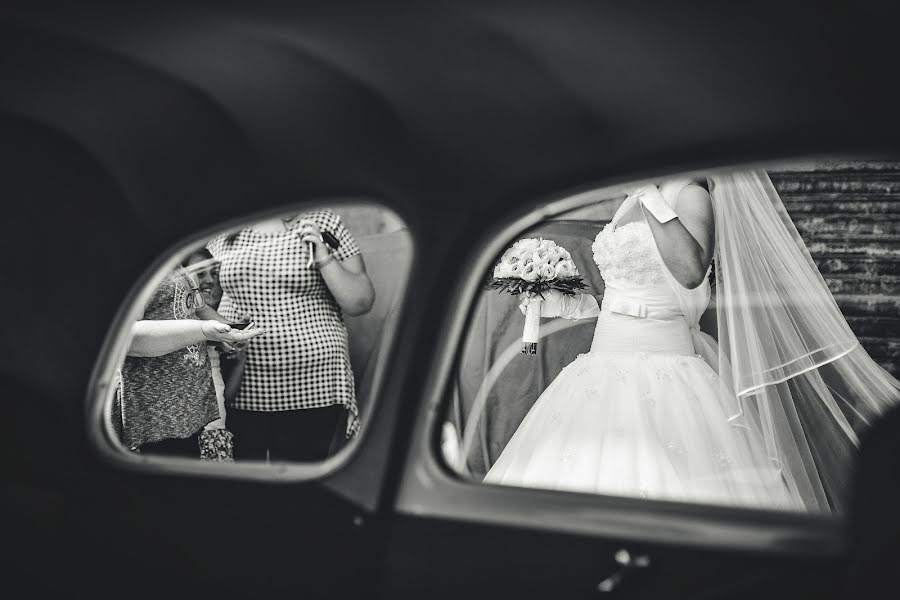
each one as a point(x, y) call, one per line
point(298, 384)
point(166, 395)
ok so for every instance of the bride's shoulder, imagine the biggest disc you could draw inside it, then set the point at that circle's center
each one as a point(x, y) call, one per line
point(686, 193)
point(694, 191)
point(673, 188)
point(694, 205)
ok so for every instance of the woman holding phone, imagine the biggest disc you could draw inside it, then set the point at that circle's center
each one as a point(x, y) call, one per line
point(295, 278)
point(166, 394)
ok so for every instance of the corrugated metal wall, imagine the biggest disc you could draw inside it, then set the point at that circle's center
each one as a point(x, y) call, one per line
point(849, 215)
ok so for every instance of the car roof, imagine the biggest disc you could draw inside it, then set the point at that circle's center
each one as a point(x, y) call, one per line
point(474, 104)
point(127, 129)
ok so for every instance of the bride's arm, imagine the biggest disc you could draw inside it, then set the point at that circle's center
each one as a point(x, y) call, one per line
point(686, 243)
point(556, 304)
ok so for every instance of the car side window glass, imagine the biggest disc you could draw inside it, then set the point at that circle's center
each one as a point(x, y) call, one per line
point(714, 338)
point(262, 343)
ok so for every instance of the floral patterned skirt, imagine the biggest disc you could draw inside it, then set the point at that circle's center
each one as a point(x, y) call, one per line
point(217, 445)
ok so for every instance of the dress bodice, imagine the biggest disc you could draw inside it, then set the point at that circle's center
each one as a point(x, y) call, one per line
point(638, 282)
point(627, 257)
point(633, 272)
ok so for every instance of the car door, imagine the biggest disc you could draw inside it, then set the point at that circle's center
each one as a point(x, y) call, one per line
point(454, 535)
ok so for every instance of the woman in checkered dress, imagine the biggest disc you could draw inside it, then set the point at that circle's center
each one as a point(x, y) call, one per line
point(298, 385)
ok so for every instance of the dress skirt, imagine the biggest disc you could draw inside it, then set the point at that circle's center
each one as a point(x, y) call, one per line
point(642, 415)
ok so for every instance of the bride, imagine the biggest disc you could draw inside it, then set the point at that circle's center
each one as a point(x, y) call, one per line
point(767, 417)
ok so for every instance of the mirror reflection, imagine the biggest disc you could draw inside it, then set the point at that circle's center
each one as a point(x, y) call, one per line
point(676, 340)
point(261, 344)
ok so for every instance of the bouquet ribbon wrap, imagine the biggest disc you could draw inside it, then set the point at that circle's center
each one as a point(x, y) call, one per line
point(532, 327)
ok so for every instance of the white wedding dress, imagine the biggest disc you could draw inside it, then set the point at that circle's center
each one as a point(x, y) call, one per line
point(643, 413)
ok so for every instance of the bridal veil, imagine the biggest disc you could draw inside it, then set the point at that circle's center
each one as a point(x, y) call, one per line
point(796, 372)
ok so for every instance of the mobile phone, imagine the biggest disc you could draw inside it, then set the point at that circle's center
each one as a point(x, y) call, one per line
point(330, 240)
point(242, 325)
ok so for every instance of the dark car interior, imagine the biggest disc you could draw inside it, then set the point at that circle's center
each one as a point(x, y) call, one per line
point(131, 131)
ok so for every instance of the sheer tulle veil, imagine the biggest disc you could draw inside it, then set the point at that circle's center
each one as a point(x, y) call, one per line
point(796, 372)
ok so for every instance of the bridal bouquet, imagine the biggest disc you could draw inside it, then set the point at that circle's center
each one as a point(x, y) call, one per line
point(530, 267)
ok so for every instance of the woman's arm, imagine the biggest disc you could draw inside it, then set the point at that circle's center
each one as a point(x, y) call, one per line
point(687, 242)
point(556, 304)
point(208, 313)
point(156, 338)
point(350, 285)
point(346, 279)
point(232, 367)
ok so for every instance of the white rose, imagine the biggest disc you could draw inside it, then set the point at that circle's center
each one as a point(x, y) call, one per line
point(527, 245)
point(548, 272)
point(511, 256)
point(503, 270)
point(515, 270)
point(530, 272)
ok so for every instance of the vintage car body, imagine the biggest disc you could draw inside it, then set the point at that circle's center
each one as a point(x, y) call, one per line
point(128, 129)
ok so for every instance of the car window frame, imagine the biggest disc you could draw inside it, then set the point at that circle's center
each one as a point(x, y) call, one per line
point(431, 488)
point(101, 433)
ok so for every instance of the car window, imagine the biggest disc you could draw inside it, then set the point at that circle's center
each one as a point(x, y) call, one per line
point(719, 338)
point(259, 344)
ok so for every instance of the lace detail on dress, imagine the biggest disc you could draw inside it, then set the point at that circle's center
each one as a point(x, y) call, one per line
point(626, 254)
point(183, 307)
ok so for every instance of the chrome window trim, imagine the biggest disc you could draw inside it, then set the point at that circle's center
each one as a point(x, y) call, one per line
point(100, 389)
point(429, 488)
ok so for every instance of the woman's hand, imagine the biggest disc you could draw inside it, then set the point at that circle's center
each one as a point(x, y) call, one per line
point(310, 232)
point(216, 331)
point(556, 304)
point(652, 199)
point(156, 338)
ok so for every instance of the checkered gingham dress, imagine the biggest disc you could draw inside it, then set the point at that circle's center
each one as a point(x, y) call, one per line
point(302, 361)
